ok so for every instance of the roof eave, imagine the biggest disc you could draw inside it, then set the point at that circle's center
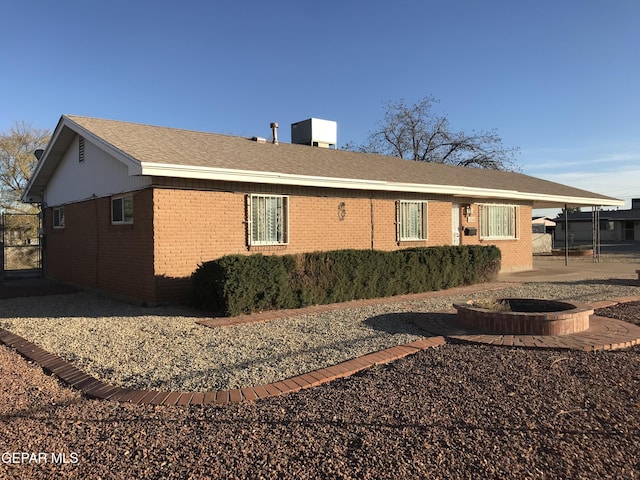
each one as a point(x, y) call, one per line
point(253, 176)
point(33, 191)
point(62, 136)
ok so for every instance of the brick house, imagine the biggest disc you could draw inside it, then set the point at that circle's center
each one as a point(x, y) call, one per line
point(132, 209)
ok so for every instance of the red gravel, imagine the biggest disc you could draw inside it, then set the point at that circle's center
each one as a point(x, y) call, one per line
point(457, 411)
point(629, 312)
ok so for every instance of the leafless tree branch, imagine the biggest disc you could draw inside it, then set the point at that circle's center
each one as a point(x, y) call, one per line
point(415, 132)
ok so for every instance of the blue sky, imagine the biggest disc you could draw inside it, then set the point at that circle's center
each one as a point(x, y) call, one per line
point(558, 79)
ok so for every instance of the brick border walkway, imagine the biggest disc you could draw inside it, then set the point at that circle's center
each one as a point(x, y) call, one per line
point(604, 334)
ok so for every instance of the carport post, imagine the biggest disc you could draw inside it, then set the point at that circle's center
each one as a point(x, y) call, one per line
point(566, 234)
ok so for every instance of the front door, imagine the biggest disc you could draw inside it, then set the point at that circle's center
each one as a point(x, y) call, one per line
point(455, 224)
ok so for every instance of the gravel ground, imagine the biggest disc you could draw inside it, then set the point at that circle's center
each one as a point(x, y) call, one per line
point(164, 349)
point(457, 411)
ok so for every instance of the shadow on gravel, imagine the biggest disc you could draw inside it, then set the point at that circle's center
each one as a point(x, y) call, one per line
point(147, 415)
point(33, 287)
point(43, 409)
point(80, 304)
point(601, 283)
point(404, 322)
point(597, 281)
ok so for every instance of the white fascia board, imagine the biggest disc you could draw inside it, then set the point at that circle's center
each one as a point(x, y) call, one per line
point(36, 172)
point(252, 176)
point(559, 200)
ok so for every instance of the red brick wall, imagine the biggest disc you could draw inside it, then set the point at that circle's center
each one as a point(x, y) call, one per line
point(176, 229)
point(91, 252)
point(194, 226)
point(516, 254)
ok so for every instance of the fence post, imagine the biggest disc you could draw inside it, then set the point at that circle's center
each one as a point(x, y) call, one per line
point(2, 225)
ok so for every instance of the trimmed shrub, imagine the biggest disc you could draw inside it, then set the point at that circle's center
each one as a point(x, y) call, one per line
point(237, 284)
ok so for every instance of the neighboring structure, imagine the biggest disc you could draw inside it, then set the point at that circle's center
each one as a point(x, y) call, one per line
point(615, 225)
point(133, 209)
point(543, 231)
point(543, 225)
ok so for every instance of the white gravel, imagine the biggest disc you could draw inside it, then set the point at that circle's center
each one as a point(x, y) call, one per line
point(163, 348)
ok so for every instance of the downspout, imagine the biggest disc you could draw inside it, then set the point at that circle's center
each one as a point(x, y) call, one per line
point(97, 259)
point(372, 222)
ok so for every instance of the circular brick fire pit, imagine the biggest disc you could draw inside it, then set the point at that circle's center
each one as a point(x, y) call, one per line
point(526, 316)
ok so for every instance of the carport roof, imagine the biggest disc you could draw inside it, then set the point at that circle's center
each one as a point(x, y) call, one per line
point(171, 152)
point(630, 214)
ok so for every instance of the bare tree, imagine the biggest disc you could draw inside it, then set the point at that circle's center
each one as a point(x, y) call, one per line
point(17, 161)
point(415, 132)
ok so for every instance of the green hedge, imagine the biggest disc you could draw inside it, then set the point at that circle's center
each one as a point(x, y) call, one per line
point(237, 284)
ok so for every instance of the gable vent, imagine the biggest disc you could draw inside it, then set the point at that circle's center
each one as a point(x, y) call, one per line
point(81, 150)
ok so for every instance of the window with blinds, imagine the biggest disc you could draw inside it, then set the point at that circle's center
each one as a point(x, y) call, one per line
point(268, 219)
point(498, 222)
point(411, 220)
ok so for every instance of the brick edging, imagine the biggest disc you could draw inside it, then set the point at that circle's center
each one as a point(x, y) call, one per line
point(94, 388)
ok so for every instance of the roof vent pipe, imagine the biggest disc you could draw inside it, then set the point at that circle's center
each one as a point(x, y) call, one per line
point(274, 129)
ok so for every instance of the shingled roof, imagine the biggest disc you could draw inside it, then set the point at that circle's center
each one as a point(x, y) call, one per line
point(162, 151)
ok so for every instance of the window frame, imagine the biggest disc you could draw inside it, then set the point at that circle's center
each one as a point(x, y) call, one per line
point(401, 221)
point(58, 220)
point(493, 231)
point(125, 220)
point(253, 203)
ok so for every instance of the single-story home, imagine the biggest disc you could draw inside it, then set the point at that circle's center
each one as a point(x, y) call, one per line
point(132, 209)
point(614, 225)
